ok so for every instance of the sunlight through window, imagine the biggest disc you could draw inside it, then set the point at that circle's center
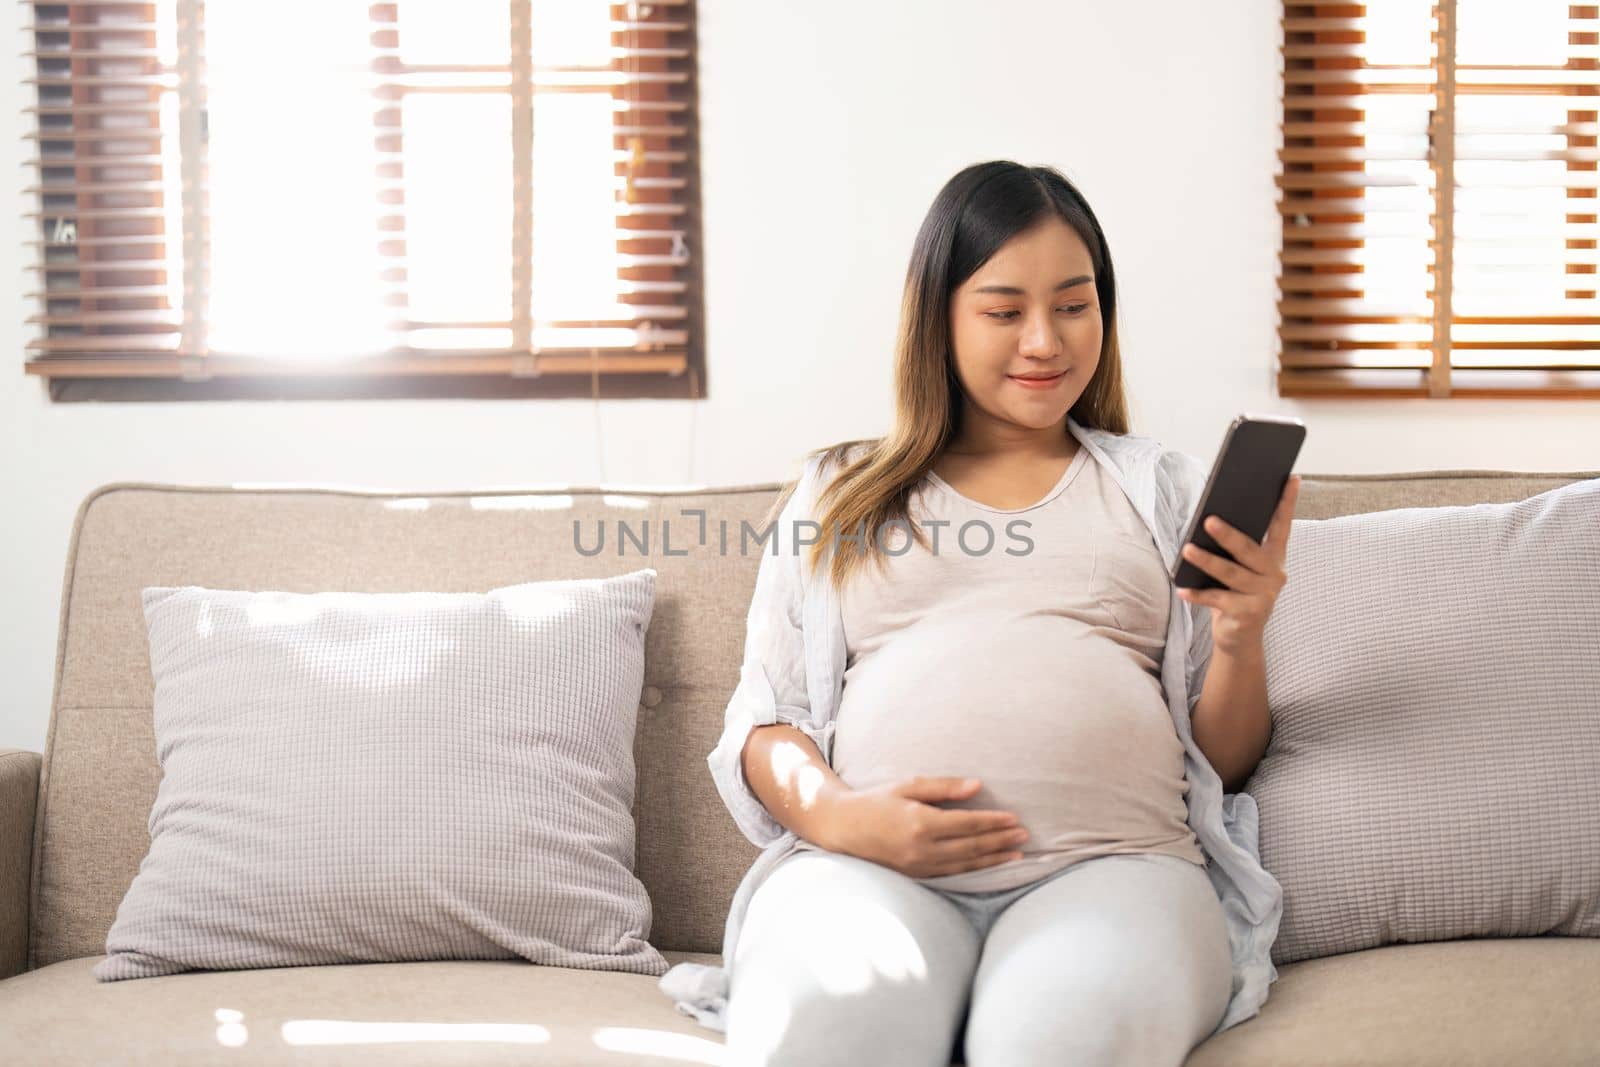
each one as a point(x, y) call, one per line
point(660, 1044)
point(351, 1032)
point(1510, 249)
point(231, 1030)
point(294, 253)
point(341, 198)
point(298, 263)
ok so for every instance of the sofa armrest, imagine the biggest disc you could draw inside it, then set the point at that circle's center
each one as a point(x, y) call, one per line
point(19, 791)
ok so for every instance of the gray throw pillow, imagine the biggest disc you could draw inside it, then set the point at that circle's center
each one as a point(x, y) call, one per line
point(369, 777)
point(1434, 768)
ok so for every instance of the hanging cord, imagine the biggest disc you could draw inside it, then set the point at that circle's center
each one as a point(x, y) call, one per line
point(694, 407)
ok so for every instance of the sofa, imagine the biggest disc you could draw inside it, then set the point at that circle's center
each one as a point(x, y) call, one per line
point(73, 822)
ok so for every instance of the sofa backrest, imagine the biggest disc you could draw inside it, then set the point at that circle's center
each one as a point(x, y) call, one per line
point(100, 771)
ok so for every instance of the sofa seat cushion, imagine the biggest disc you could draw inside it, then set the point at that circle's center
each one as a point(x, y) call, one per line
point(1466, 1003)
point(1488, 1002)
point(455, 1012)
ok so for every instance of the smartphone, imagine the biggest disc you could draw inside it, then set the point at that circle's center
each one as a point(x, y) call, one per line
point(1246, 483)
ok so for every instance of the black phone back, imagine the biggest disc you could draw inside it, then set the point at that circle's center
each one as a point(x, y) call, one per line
point(1247, 480)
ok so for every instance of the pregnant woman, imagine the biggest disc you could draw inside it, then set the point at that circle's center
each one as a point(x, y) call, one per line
point(982, 738)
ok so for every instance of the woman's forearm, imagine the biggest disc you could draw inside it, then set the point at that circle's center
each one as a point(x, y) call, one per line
point(788, 775)
point(1231, 722)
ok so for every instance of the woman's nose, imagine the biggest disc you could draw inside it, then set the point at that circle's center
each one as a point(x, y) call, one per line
point(1039, 338)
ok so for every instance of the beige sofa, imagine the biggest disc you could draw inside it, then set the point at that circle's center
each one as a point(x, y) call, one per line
point(73, 826)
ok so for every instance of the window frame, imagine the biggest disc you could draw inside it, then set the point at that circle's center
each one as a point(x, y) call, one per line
point(654, 38)
point(1309, 162)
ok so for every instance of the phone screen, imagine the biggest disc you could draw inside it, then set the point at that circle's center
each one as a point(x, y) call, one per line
point(1246, 482)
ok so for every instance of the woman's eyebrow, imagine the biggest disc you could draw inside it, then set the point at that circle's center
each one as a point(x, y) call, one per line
point(1011, 290)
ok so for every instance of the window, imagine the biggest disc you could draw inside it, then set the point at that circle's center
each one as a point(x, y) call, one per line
point(1438, 190)
point(315, 198)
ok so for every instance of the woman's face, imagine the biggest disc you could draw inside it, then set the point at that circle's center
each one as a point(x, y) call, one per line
point(1030, 311)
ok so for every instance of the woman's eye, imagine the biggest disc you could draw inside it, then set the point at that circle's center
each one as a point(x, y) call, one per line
point(1007, 315)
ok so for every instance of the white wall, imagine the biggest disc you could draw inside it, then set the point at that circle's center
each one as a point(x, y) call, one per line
point(827, 128)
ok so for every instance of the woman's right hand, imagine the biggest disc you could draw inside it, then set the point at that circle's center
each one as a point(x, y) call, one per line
point(896, 825)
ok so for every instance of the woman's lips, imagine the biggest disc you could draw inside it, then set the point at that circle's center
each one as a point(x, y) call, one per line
point(1038, 383)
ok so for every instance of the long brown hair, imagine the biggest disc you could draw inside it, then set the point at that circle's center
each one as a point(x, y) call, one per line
point(976, 212)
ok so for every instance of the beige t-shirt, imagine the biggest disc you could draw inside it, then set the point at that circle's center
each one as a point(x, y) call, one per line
point(1023, 650)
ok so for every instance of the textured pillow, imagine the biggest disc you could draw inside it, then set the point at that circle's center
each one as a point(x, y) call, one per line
point(1434, 769)
point(353, 777)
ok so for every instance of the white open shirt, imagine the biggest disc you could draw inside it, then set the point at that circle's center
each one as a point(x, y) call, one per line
point(793, 673)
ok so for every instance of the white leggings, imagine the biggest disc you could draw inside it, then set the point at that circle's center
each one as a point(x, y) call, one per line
point(1119, 959)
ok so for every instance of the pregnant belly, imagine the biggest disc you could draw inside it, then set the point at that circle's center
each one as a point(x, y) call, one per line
point(1080, 744)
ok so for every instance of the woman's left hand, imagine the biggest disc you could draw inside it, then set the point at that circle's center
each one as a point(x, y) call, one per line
point(1239, 612)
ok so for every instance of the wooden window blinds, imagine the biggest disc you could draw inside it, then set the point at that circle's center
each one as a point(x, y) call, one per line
point(330, 197)
point(1438, 199)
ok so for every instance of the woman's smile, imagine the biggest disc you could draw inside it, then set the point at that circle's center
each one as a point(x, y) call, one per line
point(1039, 383)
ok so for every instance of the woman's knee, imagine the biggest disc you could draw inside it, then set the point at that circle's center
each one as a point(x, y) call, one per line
point(846, 962)
point(776, 1023)
point(1092, 1031)
point(1116, 965)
